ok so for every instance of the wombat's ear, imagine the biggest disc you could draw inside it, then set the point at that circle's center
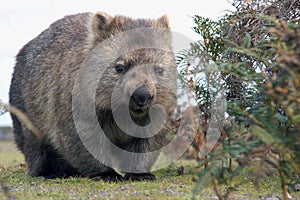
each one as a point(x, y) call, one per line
point(101, 20)
point(164, 20)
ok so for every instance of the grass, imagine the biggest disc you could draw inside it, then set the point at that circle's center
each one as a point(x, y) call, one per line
point(9, 154)
point(169, 185)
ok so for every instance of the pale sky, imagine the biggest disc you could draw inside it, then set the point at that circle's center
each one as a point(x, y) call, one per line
point(21, 21)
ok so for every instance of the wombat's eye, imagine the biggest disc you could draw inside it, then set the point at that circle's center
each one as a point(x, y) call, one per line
point(120, 68)
point(159, 70)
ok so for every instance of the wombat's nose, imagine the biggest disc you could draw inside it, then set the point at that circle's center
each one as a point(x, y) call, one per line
point(141, 96)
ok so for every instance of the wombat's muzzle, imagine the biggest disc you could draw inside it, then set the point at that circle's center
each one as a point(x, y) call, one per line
point(141, 97)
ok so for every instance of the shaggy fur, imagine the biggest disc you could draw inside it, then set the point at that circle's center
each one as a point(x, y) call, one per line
point(42, 83)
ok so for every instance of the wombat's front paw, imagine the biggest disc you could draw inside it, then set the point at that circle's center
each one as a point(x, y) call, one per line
point(111, 177)
point(140, 177)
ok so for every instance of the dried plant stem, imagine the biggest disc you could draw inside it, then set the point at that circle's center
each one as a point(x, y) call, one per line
point(22, 117)
point(282, 179)
point(214, 183)
point(283, 185)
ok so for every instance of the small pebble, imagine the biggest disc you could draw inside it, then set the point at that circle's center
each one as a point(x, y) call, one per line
point(33, 184)
point(147, 193)
point(180, 170)
point(195, 179)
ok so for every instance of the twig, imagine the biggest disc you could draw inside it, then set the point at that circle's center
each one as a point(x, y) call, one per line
point(214, 183)
point(281, 174)
point(22, 117)
point(283, 185)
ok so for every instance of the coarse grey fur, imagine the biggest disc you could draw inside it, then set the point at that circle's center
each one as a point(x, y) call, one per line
point(42, 84)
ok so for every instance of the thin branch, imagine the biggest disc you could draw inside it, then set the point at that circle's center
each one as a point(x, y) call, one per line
point(22, 117)
point(214, 183)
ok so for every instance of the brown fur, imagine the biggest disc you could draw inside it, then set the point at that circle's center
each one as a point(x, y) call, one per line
point(42, 86)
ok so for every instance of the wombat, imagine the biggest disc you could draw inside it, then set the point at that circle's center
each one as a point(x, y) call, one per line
point(42, 86)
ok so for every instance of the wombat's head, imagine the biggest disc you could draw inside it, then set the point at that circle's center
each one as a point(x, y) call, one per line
point(145, 77)
point(142, 71)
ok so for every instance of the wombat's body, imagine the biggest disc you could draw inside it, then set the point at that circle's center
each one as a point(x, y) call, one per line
point(42, 87)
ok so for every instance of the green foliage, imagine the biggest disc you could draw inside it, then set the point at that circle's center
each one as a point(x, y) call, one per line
point(257, 52)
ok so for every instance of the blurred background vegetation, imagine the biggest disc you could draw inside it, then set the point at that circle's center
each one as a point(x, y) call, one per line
point(255, 54)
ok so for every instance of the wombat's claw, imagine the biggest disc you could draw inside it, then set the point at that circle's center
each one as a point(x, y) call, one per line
point(109, 178)
point(140, 177)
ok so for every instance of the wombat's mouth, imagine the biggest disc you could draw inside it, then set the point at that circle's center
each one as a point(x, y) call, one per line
point(140, 101)
point(140, 115)
point(139, 111)
point(136, 110)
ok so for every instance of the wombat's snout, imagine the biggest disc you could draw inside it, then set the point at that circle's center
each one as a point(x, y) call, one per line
point(141, 96)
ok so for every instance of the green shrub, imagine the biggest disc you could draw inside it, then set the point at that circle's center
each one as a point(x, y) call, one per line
point(256, 51)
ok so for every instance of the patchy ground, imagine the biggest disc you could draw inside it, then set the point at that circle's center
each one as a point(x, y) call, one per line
point(14, 184)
